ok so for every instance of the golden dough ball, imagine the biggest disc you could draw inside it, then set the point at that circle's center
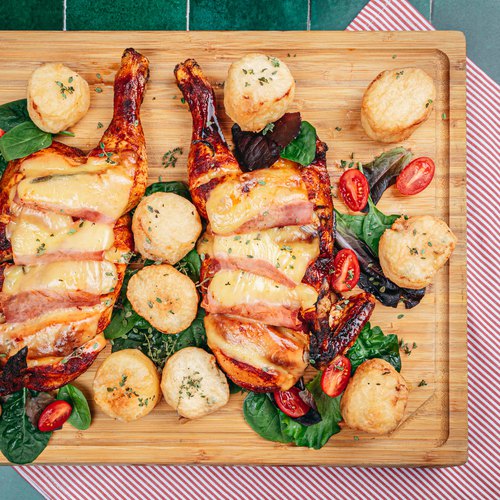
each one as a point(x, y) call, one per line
point(259, 89)
point(192, 383)
point(127, 385)
point(396, 103)
point(166, 227)
point(413, 250)
point(163, 296)
point(375, 398)
point(58, 97)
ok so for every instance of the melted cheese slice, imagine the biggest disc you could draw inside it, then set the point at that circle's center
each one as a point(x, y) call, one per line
point(232, 288)
point(95, 277)
point(290, 259)
point(80, 193)
point(37, 233)
point(51, 164)
point(269, 196)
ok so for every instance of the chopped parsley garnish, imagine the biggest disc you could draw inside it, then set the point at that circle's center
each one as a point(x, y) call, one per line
point(106, 154)
point(274, 61)
point(170, 157)
point(268, 128)
point(63, 88)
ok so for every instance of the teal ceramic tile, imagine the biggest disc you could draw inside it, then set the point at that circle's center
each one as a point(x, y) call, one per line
point(31, 14)
point(334, 14)
point(14, 487)
point(248, 15)
point(424, 7)
point(479, 22)
point(126, 15)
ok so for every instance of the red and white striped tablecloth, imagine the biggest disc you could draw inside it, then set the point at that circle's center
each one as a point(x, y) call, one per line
point(479, 478)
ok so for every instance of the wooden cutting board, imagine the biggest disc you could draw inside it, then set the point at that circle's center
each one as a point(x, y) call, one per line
point(332, 70)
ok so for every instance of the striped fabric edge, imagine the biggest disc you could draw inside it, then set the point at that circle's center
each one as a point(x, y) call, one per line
point(479, 477)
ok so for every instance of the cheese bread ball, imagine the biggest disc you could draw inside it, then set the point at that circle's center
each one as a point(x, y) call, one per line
point(258, 90)
point(414, 249)
point(127, 385)
point(163, 296)
point(192, 383)
point(166, 227)
point(58, 97)
point(375, 398)
point(396, 103)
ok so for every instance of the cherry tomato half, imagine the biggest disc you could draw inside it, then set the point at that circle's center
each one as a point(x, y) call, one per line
point(2, 132)
point(290, 402)
point(346, 271)
point(354, 189)
point(54, 416)
point(336, 376)
point(416, 176)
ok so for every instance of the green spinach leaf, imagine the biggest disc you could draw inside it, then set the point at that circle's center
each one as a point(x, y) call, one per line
point(3, 165)
point(176, 187)
point(13, 113)
point(263, 417)
point(20, 441)
point(352, 222)
point(23, 140)
point(317, 435)
point(303, 148)
point(370, 227)
point(190, 265)
point(80, 416)
point(272, 424)
point(157, 345)
point(372, 343)
point(375, 224)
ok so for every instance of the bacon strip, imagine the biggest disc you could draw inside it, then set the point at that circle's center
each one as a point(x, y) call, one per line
point(28, 305)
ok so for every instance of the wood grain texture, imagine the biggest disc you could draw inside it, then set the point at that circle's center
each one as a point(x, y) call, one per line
point(332, 69)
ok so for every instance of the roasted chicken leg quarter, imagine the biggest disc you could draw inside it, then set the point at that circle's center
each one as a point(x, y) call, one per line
point(268, 251)
point(64, 242)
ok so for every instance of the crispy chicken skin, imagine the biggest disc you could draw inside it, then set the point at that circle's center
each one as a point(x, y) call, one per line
point(48, 352)
point(210, 159)
point(238, 205)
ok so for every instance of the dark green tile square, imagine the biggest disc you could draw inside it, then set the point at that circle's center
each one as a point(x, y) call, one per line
point(31, 14)
point(126, 15)
point(338, 14)
point(334, 14)
point(248, 15)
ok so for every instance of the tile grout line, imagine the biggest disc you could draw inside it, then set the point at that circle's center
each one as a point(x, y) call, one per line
point(188, 10)
point(308, 22)
point(431, 10)
point(64, 15)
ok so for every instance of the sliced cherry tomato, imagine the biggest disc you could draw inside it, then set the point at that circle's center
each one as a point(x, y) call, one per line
point(346, 271)
point(54, 416)
point(416, 176)
point(336, 376)
point(290, 402)
point(2, 132)
point(354, 189)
